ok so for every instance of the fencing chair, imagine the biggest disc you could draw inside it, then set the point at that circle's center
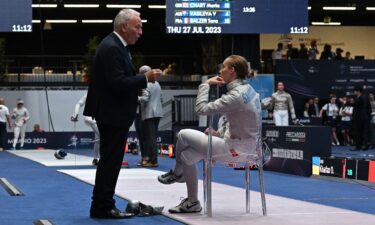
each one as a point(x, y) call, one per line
point(207, 174)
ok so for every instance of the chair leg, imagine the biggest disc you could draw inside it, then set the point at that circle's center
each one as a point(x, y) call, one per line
point(204, 187)
point(262, 194)
point(247, 180)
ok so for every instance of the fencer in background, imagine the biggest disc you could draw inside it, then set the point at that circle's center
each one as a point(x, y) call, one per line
point(4, 118)
point(151, 112)
point(20, 116)
point(91, 123)
point(282, 105)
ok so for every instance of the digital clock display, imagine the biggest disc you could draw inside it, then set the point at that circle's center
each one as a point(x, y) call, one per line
point(16, 16)
point(236, 16)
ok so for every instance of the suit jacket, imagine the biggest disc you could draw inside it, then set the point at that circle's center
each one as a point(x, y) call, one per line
point(113, 89)
point(362, 109)
point(312, 111)
point(151, 101)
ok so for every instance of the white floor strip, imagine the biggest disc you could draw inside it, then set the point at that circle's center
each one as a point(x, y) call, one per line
point(228, 202)
point(46, 158)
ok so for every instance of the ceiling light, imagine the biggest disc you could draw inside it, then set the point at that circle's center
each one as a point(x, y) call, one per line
point(35, 21)
point(157, 6)
point(339, 8)
point(61, 21)
point(326, 24)
point(81, 5)
point(123, 6)
point(144, 21)
point(44, 5)
point(309, 8)
point(97, 21)
point(370, 8)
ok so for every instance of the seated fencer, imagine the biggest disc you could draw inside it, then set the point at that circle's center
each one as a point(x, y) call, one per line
point(234, 142)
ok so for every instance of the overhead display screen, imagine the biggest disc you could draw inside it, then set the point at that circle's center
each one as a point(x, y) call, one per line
point(15, 16)
point(236, 16)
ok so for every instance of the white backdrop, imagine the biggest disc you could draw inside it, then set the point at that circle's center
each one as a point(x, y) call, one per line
point(62, 105)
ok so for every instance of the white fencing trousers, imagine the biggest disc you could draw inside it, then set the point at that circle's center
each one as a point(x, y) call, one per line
point(281, 117)
point(192, 147)
point(19, 130)
point(92, 123)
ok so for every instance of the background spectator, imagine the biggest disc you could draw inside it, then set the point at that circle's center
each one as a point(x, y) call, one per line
point(313, 50)
point(331, 110)
point(37, 129)
point(327, 52)
point(4, 118)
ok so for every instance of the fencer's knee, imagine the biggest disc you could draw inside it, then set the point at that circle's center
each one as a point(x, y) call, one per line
point(182, 135)
point(190, 158)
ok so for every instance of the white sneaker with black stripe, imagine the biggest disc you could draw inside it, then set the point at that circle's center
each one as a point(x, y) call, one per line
point(186, 207)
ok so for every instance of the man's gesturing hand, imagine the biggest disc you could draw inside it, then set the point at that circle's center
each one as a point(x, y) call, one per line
point(153, 74)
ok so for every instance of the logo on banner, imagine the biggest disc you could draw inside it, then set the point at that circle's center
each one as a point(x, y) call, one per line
point(287, 153)
point(295, 136)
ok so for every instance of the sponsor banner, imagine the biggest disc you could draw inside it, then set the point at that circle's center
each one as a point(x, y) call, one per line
point(292, 147)
point(316, 165)
point(68, 140)
point(333, 167)
point(308, 78)
point(55, 140)
point(357, 169)
point(363, 170)
point(371, 175)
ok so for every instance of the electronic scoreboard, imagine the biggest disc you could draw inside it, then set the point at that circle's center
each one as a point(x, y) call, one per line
point(236, 16)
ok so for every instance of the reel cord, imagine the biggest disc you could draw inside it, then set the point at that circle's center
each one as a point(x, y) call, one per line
point(43, 63)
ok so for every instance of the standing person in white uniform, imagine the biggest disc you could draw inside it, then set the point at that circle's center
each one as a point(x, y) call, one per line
point(282, 106)
point(4, 118)
point(235, 142)
point(20, 116)
point(91, 123)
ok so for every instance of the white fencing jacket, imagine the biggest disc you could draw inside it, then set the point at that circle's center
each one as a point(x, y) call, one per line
point(241, 106)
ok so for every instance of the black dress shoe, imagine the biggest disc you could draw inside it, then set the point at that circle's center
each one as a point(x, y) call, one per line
point(365, 148)
point(110, 214)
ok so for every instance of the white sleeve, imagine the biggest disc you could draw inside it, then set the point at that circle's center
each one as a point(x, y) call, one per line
point(325, 107)
point(80, 104)
point(27, 114)
point(226, 103)
point(146, 93)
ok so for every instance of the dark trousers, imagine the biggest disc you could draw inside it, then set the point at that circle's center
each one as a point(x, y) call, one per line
point(3, 135)
point(112, 144)
point(149, 132)
point(138, 129)
point(361, 132)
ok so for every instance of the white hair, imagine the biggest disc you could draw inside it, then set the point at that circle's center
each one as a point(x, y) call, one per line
point(144, 69)
point(123, 17)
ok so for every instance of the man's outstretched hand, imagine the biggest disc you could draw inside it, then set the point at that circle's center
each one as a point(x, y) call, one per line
point(153, 75)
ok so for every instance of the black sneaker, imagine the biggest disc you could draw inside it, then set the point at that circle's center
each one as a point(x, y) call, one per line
point(170, 178)
point(95, 162)
point(186, 207)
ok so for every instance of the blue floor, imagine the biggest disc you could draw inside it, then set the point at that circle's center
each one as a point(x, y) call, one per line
point(347, 194)
point(51, 195)
point(65, 200)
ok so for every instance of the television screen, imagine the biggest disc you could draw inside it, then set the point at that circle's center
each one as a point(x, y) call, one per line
point(15, 16)
point(236, 16)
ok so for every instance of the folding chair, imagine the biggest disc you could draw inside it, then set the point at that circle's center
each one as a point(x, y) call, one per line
point(207, 174)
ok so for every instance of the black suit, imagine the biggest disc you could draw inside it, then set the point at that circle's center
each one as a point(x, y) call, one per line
point(361, 121)
point(112, 101)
